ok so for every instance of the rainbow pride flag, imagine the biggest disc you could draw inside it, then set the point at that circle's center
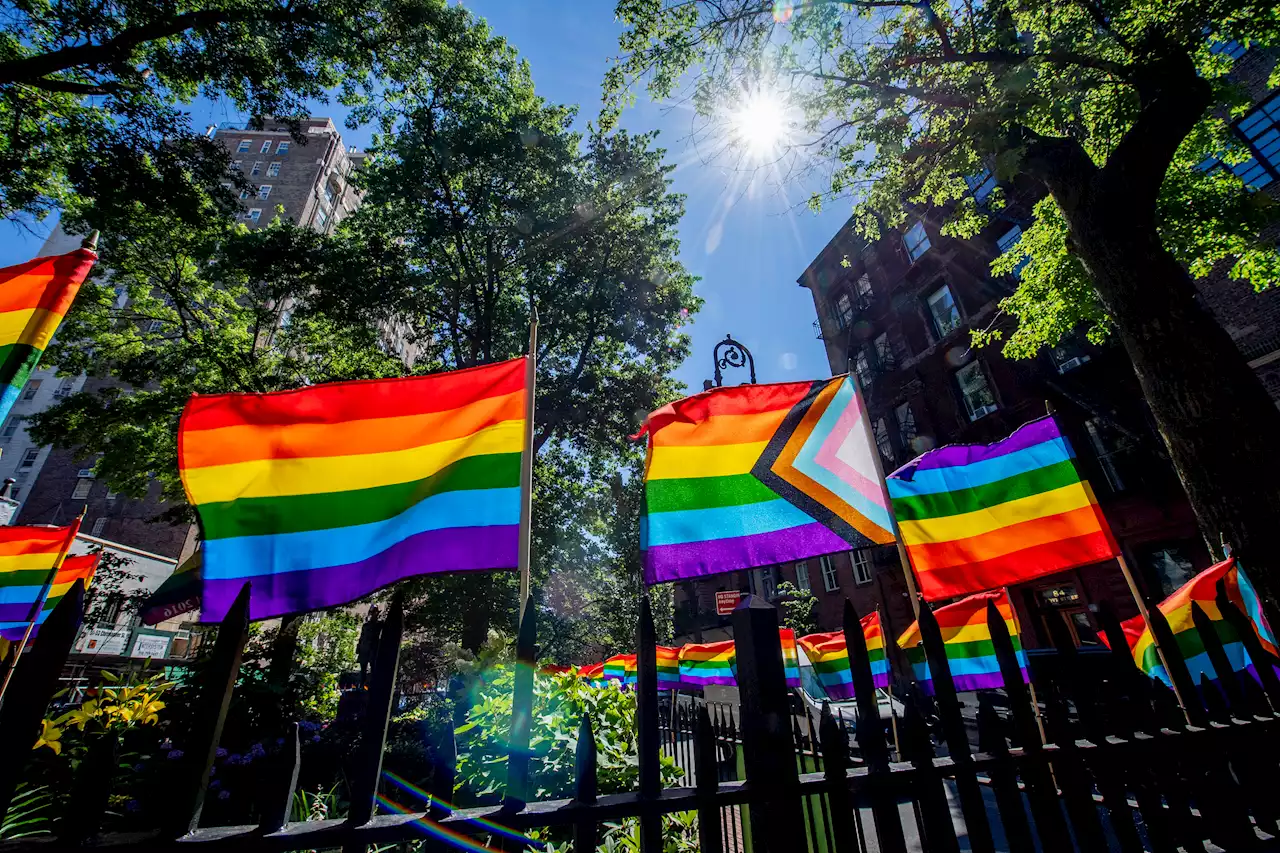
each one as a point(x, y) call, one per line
point(29, 557)
point(592, 673)
point(34, 297)
point(668, 668)
point(790, 656)
point(829, 655)
point(322, 495)
point(1202, 590)
point(967, 639)
point(707, 663)
point(623, 668)
point(81, 567)
point(757, 475)
point(982, 516)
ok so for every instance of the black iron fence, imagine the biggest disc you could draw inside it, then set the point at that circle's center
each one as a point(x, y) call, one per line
point(1101, 762)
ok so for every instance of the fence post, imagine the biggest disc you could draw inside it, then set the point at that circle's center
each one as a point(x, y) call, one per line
point(1217, 655)
point(209, 714)
point(944, 693)
point(869, 732)
point(938, 833)
point(377, 717)
point(1042, 793)
point(835, 766)
point(1004, 778)
point(648, 746)
point(1183, 686)
point(706, 769)
point(517, 793)
point(34, 683)
point(1263, 661)
point(585, 832)
point(444, 764)
point(768, 753)
point(280, 779)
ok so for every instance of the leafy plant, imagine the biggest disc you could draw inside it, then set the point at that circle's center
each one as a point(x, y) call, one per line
point(30, 813)
point(797, 608)
point(113, 707)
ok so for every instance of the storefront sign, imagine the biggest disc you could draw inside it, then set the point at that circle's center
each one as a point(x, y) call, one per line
point(726, 600)
point(103, 640)
point(153, 646)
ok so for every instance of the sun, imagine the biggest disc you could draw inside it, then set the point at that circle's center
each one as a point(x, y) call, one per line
point(761, 124)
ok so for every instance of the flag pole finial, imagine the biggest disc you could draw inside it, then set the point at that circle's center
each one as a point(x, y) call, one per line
point(90, 242)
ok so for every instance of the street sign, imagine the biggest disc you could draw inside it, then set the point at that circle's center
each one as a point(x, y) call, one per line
point(726, 600)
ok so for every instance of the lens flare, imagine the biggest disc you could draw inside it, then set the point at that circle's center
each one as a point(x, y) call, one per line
point(445, 833)
point(761, 123)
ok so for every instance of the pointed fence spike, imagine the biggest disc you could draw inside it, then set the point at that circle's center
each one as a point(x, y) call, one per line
point(835, 767)
point(444, 764)
point(1004, 779)
point(278, 783)
point(1226, 685)
point(586, 833)
point(953, 730)
point(210, 712)
point(647, 744)
point(706, 765)
point(377, 718)
point(1185, 687)
point(938, 834)
point(33, 684)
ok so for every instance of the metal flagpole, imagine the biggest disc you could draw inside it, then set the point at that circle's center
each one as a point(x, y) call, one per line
point(888, 685)
point(884, 489)
point(38, 605)
point(526, 462)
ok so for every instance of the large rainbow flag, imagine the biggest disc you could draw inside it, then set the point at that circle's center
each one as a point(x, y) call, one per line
point(322, 495)
point(29, 557)
point(983, 516)
point(829, 655)
point(1202, 590)
point(34, 297)
point(967, 639)
point(80, 567)
point(756, 475)
point(790, 656)
point(707, 663)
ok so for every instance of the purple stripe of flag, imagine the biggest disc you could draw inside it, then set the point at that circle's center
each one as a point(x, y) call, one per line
point(453, 549)
point(958, 455)
point(663, 563)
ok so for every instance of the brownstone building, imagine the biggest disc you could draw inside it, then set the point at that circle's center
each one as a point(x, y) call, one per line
point(898, 313)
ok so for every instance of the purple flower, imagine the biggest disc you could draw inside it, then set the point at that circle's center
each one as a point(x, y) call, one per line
point(133, 806)
point(139, 767)
point(220, 753)
point(234, 759)
point(257, 751)
point(215, 785)
point(175, 754)
point(279, 741)
point(222, 795)
point(166, 746)
point(315, 738)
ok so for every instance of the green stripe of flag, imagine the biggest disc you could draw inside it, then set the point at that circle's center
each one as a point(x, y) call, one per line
point(956, 651)
point(705, 493)
point(941, 504)
point(16, 363)
point(297, 513)
point(24, 577)
point(1190, 643)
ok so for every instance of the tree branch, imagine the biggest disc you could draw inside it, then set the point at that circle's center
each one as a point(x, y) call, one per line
point(940, 98)
point(73, 88)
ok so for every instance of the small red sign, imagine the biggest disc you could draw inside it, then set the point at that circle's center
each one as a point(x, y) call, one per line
point(726, 600)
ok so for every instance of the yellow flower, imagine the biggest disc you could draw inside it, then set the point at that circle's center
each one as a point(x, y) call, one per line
point(50, 736)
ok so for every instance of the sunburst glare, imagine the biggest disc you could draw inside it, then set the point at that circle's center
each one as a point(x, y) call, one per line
point(762, 124)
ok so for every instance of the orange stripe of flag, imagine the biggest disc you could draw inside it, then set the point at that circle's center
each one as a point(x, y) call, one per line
point(721, 429)
point(1005, 540)
point(738, 400)
point(26, 286)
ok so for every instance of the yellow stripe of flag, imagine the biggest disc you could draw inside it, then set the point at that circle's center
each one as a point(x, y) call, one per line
point(978, 522)
point(722, 461)
point(28, 562)
point(32, 326)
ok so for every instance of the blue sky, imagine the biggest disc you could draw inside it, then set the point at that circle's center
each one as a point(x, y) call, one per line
point(748, 241)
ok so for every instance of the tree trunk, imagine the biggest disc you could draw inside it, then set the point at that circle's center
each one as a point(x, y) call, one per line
point(475, 622)
point(1219, 424)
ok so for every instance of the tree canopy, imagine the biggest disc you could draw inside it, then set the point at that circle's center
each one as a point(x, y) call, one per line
point(1119, 110)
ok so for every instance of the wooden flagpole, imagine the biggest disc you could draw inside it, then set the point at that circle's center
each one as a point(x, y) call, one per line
point(1146, 620)
point(884, 489)
point(888, 685)
point(38, 605)
point(526, 461)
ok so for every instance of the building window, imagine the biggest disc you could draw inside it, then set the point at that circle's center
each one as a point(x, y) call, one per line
point(254, 214)
point(257, 168)
point(264, 191)
point(1261, 129)
point(943, 310)
point(155, 325)
point(885, 359)
point(769, 582)
point(244, 147)
point(976, 392)
point(322, 217)
point(81, 491)
point(829, 580)
point(802, 576)
point(330, 194)
point(238, 165)
point(274, 169)
point(1171, 566)
point(266, 146)
point(11, 426)
point(916, 241)
point(981, 185)
point(14, 492)
point(862, 367)
point(861, 566)
point(865, 293)
point(32, 387)
point(844, 311)
point(1007, 241)
point(880, 429)
point(64, 388)
point(98, 526)
point(282, 148)
point(906, 420)
point(1068, 355)
point(1229, 48)
point(29, 459)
